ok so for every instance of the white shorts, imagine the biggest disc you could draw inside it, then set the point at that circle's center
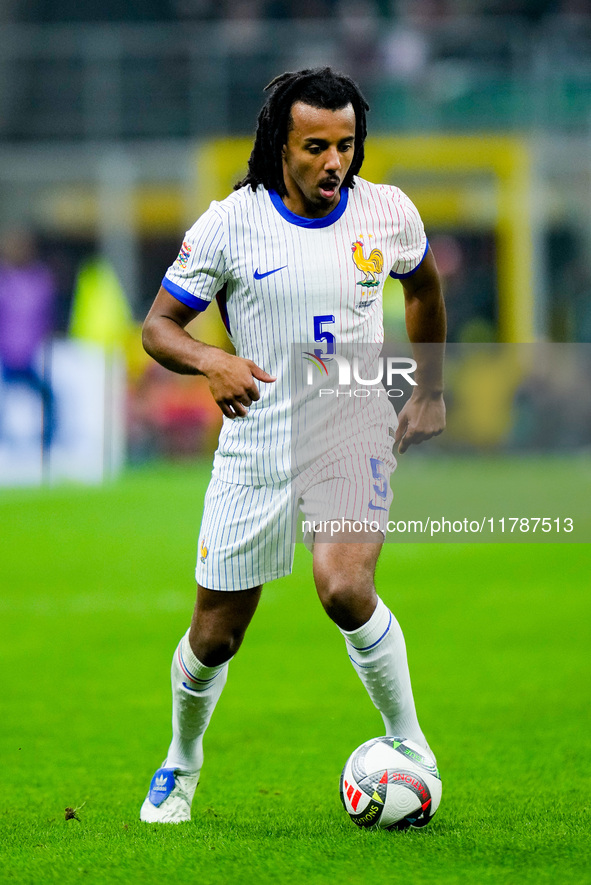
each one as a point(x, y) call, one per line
point(248, 533)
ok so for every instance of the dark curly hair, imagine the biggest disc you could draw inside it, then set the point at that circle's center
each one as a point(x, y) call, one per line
point(318, 87)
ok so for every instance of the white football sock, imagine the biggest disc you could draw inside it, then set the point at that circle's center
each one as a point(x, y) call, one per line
point(378, 653)
point(195, 692)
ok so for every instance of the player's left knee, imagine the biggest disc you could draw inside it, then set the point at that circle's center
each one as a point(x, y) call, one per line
point(348, 599)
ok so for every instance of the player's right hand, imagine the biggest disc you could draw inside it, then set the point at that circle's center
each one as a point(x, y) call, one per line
point(232, 383)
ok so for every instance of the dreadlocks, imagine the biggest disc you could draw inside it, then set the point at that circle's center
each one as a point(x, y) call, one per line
point(318, 87)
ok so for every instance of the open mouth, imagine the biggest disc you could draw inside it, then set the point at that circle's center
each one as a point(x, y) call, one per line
point(329, 187)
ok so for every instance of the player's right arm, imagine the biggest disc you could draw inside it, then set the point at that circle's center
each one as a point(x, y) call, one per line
point(231, 378)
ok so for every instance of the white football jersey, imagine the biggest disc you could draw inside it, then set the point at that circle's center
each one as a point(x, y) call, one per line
point(281, 280)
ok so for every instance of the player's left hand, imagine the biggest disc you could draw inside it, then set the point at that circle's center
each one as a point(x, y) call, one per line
point(422, 417)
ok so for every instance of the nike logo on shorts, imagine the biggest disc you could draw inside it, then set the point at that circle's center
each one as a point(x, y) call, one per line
point(261, 276)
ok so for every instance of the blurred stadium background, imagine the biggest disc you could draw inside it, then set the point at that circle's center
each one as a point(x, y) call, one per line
point(120, 121)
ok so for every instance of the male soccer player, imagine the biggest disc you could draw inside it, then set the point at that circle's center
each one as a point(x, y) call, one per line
point(297, 253)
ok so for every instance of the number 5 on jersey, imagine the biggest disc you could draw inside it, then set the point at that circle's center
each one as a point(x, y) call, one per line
point(380, 487)
point(321, 334)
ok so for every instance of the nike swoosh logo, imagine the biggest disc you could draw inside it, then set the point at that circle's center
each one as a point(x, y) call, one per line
point(375, 507)
point(261, 276)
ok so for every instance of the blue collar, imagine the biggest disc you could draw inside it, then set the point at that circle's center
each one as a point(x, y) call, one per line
point(310, 222)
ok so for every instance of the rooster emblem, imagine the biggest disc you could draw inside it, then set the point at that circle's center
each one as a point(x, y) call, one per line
point(368, 266)
point(204, 550)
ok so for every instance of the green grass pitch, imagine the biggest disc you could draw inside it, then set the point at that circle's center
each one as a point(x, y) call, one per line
point(96, 591)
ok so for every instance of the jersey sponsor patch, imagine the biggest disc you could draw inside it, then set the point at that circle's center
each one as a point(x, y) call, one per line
point(183, 255)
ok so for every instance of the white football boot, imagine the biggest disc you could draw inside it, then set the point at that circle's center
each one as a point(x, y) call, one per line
point(170, 796)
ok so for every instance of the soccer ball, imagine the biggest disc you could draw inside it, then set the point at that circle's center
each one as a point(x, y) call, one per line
point(390, 783)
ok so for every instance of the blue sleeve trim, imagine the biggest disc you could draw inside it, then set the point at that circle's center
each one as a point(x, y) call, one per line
point(198, 304)
point(402, 276)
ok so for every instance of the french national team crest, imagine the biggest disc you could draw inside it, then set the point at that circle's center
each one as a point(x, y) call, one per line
point(370, 266)
point(203, 550)
point(183, 255)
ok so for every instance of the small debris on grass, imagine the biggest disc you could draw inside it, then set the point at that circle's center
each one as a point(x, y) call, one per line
point(72, 813)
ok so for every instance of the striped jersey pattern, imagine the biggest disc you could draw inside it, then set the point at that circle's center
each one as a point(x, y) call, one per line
point(274, 274)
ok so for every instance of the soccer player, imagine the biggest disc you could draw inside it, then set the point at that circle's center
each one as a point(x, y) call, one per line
point(297, 253)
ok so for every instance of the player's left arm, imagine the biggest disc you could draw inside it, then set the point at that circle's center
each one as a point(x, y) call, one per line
point(423, 416)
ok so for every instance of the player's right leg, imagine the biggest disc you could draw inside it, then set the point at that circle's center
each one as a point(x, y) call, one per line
point(198, 675)
point(245, 541)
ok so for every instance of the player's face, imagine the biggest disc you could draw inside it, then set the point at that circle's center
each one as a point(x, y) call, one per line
point(316, 158)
